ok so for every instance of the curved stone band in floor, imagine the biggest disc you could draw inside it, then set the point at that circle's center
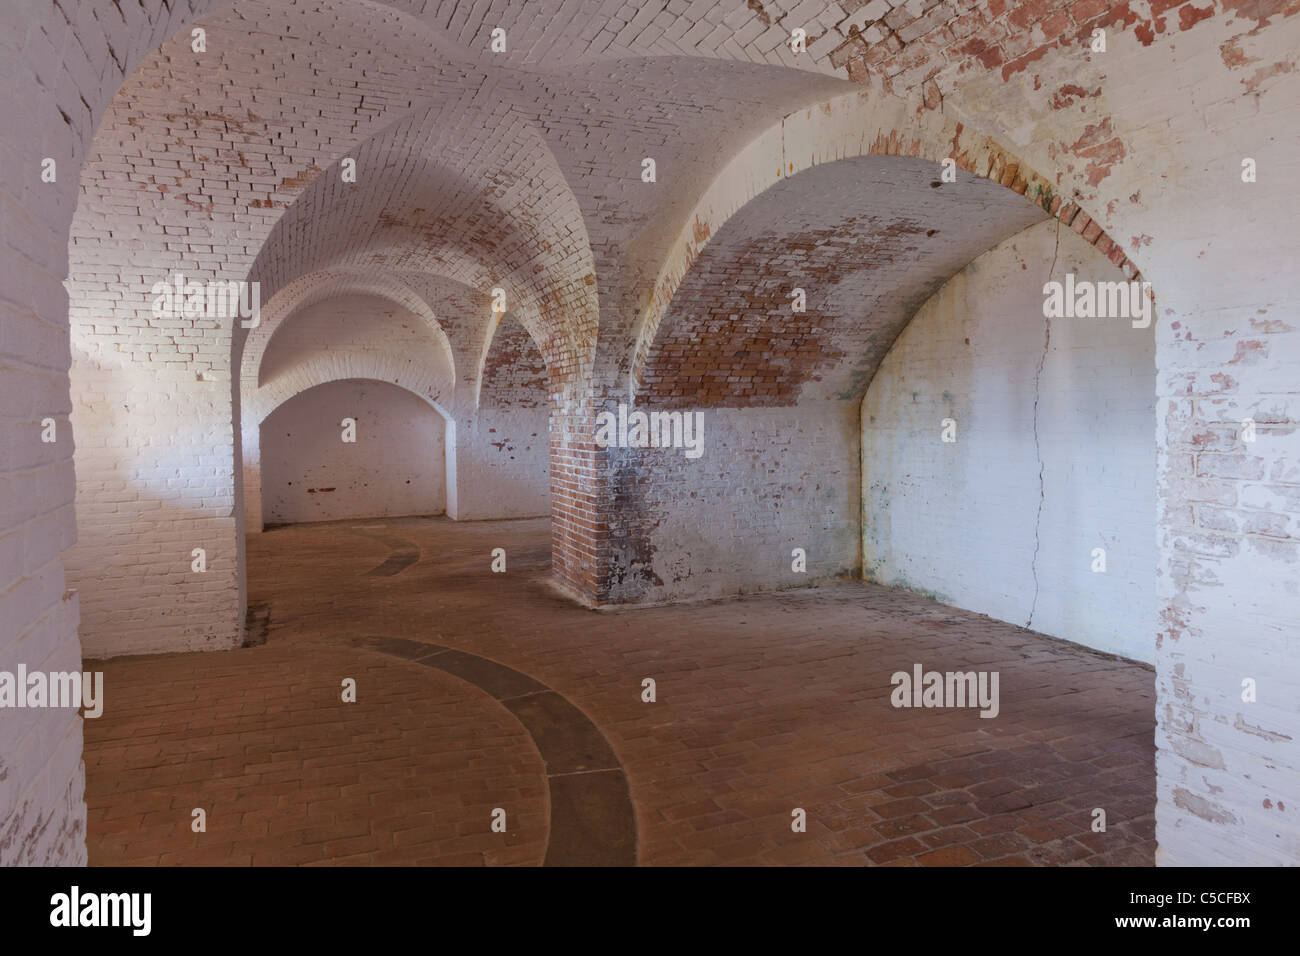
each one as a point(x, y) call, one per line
point(592, 822)
point(403, 554)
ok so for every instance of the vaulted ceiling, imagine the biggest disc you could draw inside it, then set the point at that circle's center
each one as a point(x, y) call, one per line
point(398, 141)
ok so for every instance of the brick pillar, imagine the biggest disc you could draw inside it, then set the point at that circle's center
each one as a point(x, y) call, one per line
point(1228, 516)
point(156, 472)
point(579, 525)
point(599, 517)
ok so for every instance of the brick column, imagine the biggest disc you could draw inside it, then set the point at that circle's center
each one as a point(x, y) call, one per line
point(579, 519)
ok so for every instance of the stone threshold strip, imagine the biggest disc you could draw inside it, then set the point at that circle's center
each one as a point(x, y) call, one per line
point(592, 822)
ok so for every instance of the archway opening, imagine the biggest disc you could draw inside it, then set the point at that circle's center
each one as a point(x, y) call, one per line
point(352, 449)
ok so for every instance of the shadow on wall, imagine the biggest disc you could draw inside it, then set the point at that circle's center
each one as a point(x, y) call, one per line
point(353, 449)
point(138, 488)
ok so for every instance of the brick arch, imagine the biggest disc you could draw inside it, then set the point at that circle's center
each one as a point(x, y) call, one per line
point(466, 313)
point(423, 357)
point(865, 241)
point(512, 365)
point(177, 374)
point(855, 125)
point(321, 371)
point(317, 287)
point(480, 200)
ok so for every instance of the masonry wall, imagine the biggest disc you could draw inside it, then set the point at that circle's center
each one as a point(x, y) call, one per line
point(1228, 348)
point(42, 814)
point(1157, 147)
point(968, 522)
point(502, 453)
point(502, 464)
point(769, 480)
point(396, 466)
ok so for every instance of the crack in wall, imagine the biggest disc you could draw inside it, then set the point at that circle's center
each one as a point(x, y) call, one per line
point(1038, 451)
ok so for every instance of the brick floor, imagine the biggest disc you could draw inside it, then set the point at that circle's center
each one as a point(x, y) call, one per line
point(764, 704)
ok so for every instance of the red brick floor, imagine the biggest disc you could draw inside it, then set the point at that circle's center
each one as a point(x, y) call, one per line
point(764, 704)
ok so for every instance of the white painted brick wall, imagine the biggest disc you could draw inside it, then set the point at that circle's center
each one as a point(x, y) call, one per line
point(1220, 254)
point(960, 521)
point(396, 466)
point(56, 61)
point(503, 464)
point(769, 480)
